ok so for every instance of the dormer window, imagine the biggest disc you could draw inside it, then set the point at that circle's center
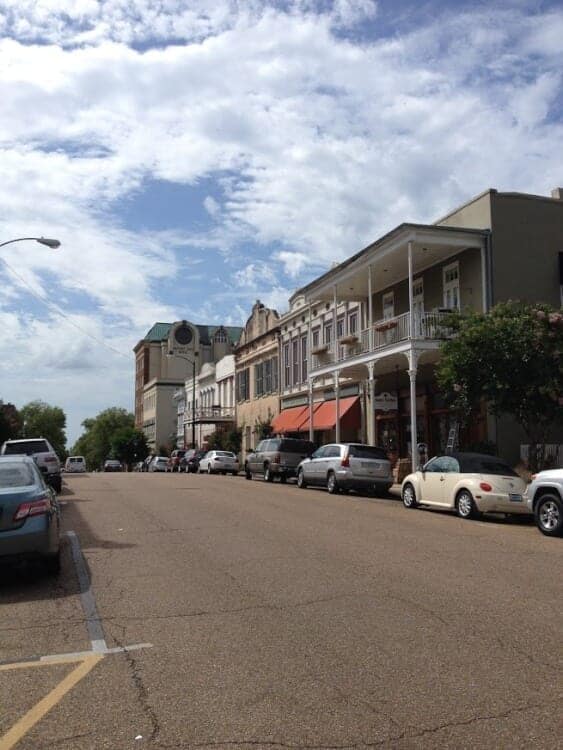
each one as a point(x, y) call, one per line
point(220, 336)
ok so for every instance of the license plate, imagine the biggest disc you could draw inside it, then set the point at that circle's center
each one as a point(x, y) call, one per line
point(515, 498)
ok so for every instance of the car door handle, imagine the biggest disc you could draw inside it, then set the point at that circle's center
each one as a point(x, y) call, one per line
point(442, 479)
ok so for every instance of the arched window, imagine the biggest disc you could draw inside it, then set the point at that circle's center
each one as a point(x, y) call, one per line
point(220, 336)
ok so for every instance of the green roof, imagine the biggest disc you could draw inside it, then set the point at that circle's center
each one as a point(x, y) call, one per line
point(160, 331)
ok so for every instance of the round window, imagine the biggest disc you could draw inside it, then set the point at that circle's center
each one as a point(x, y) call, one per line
point(183, 335)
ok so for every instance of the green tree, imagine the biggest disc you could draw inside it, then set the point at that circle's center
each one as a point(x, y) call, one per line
point(512, 358)
point(129, 445)
point(42, 420)
point(10, 422)
point(95, 443)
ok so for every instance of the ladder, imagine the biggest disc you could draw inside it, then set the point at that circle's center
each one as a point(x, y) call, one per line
point(453, 438)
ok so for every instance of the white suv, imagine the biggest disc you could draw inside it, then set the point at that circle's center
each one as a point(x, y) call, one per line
point(42, 452)
point(545, 499)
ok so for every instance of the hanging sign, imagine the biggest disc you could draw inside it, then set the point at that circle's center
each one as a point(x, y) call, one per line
point(385, 402)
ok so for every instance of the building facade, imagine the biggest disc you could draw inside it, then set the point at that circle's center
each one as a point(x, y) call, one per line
point(400, 290)
point(164, 358)
point(257, 375)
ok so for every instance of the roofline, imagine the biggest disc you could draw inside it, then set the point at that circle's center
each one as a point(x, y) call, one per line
point(380, 241)
point(274, 329)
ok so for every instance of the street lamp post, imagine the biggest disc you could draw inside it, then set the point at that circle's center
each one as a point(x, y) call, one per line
point(192, 362)
point(53, 244)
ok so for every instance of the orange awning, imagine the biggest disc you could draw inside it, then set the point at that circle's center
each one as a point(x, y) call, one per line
point(324, 413)
point(289, 420)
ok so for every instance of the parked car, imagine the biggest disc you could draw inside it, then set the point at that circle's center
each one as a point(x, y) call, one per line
point(75, 464)
point(174, 460)
point(191, 459)
point(277, 457)
point(470, 483)
point(44, 455)
point(347, 466)
point(29, 513)
point(544, 496)
point(219, 462)
point(158, 463)
point(112, 464)
point(146, 463)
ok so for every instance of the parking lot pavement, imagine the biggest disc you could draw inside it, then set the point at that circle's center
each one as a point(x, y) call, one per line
point(267, 616)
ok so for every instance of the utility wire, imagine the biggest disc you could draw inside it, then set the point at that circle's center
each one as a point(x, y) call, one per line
point(54, 308)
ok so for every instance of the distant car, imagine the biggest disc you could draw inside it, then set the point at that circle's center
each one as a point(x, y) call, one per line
point(29, 513)
point(347, 466)
point(219, 462)
point(277, 457)
point(469, 483)
point(41, 450)
point(191, 459)
point(75, 464)
point(112, 464)
point(544, 496)
point(174, 460)
point(159, 463)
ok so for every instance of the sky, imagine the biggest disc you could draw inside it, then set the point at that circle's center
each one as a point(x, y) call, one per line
point(194, 156)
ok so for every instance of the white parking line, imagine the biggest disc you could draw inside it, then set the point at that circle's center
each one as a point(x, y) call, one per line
point(93, 622)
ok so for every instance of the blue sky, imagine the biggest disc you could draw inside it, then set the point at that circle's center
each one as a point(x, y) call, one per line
point(195, 156)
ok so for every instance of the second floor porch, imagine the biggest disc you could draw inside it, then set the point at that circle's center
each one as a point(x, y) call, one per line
point(209, 414)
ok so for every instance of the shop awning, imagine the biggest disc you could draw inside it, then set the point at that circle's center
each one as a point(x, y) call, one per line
point(324, 414)
point(290, 420)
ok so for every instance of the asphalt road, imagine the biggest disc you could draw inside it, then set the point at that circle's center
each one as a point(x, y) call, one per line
point(280, 618)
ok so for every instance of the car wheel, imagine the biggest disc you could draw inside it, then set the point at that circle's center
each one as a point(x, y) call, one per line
point(57, 484)
point(235, 473)
point(53, 564)
point(465, 505)
point(409, 497)
point(549, 515)
point(332, 484)
point(301, 483)
point(247, 472)
point(283, 478)
point(209, 468)
point(268, 476)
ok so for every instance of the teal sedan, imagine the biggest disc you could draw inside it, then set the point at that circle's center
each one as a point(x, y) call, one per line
point(29, 514)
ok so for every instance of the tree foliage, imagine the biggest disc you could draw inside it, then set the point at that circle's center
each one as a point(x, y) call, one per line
point(225, 440)
point(95, 443)
point(129, 445)
point(11, 422)
point(512, 358)
point(42, 420)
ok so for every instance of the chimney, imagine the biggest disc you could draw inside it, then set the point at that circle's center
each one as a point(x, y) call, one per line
point(557, 193)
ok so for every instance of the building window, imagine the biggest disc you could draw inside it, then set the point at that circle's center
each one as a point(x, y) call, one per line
point(242, 385)
point(295, 360)
point(451, 287)
point(340, 328)
point(259, 379)
point(286, 366)
point(353, 323)
point(328, 333)
point(388, 305)
point(220, 336)
point(316, 337)
point(267, 366)
point(275, 383)
point(303, 359)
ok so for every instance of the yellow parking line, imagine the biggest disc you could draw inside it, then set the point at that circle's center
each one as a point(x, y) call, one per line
point(35, 714)
point(39, 663)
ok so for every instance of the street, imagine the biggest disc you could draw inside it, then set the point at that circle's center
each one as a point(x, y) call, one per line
point(262, 616)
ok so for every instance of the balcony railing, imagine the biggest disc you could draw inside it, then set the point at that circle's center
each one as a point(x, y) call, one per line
point(428, 326)
point(210, 414)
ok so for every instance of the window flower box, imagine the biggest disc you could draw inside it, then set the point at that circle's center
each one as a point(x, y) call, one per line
point(385, 325)
point(348, 340)
point(320, 349)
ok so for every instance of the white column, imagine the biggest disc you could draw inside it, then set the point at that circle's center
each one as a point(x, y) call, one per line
point(310, 342)
point(370, 311)
point(334, 325)
point(337, 406)
point(413, 360)
point(311, 427)
point(411, 293)
point(370, 415)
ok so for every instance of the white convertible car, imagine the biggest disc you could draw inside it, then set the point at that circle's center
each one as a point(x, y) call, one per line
point(469, 483)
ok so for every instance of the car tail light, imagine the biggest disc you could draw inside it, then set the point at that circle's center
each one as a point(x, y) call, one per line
point(346, 460)
point(35, 508)
point(485, 486)
point(276, 458)
point(50, 459)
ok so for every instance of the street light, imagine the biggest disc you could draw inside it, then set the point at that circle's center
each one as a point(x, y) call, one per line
point(192, 362)
point(53, 244)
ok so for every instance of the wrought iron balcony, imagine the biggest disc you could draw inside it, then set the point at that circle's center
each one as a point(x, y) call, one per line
point(210, 414)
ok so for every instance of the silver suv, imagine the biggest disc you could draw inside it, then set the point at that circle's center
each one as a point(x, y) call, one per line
point(41, 450)
point(277, 457)
point(347, 466)
point(544, 496)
